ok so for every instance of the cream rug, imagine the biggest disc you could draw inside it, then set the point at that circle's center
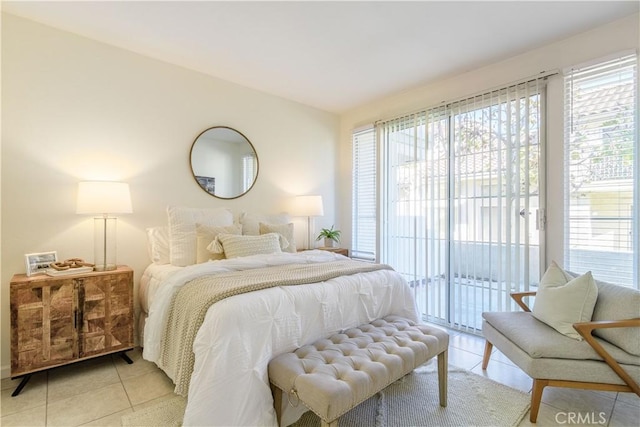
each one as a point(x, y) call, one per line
point(411, 401)
point(166, 413)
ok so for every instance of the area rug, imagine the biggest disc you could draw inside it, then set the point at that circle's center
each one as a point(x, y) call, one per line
point(167, 413)
point(411, 401)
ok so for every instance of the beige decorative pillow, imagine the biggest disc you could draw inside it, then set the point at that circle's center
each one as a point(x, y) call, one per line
point(235, 246)
point(207, 234)
point(285, 230)
point(182, 230)
point(562, 301)
point(251, 221)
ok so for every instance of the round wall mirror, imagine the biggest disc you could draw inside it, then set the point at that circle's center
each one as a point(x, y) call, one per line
point(224, 162)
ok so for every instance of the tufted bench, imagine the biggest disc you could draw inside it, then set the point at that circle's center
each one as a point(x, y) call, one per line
point(333, 375)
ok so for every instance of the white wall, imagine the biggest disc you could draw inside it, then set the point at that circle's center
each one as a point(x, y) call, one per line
point(74, 109)
point(609, 39)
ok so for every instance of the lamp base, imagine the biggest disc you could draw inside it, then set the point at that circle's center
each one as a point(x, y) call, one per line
point(107, 267)
point(105, 244)
point(310, 242)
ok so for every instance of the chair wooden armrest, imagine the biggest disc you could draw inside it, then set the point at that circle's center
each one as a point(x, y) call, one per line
point(585, 329)
point(518, 298)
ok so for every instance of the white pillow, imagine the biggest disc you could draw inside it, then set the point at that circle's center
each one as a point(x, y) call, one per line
point(205, 235)
point(182, 230)
point(562, 300)
point(235, 246)
point(251, 222)
point(158, 244)
point(286, 230)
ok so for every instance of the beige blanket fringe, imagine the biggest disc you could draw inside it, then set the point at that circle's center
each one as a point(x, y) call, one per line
point(191, 302)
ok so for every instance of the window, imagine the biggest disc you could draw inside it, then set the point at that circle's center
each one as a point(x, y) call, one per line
point(363, 239)
point(248, 171)
point(601, 166)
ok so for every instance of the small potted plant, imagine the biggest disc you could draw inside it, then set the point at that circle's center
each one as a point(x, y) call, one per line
point(330, 236)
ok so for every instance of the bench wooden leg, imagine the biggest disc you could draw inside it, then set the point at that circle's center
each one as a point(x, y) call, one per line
point(443, 367)
point(487, 354)
point(277, 402)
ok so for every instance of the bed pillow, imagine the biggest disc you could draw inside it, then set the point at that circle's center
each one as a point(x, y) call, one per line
point(235, 246)
point(158, 244)
point(251, 222)
point(285, 230)
point(562, 300)
point(206, 234)
point(182, 230)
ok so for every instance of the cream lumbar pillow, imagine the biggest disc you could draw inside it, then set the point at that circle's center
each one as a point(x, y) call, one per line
point(235, 246)
point(286, 230)
point(207, 234)
point(562, 300)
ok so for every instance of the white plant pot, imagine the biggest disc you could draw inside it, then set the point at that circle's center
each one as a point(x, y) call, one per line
point(328, 243)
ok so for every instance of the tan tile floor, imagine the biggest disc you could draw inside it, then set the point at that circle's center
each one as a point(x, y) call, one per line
point(98, 392)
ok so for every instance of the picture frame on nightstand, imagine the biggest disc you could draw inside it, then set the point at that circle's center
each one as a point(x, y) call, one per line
point(38, 262)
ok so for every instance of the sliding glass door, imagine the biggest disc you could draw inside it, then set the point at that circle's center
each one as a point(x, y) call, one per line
point(462, 206)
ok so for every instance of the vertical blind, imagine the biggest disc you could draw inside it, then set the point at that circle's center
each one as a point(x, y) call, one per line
point(459, 200)
point(363, 239)
point(601, 167)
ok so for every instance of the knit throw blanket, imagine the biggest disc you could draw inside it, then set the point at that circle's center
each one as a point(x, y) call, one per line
point(191, 302)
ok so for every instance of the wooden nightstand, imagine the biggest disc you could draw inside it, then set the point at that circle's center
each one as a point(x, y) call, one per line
point(341, 251)
point(60, 320)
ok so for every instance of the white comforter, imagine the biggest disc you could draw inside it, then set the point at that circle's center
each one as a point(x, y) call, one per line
point(241, 334)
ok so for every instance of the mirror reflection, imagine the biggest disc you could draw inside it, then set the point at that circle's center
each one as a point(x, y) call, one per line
point(224, 162)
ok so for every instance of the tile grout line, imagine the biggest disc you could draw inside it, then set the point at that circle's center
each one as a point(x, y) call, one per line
point(113, 362)
point(121, 382)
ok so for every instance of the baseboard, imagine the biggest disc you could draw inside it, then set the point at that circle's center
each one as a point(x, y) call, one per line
point(5, 372)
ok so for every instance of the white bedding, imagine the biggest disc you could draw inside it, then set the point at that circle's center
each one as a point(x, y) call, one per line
point(229, 385)
point(152, 277)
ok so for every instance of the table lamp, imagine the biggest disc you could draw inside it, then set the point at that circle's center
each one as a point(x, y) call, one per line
point(309, 206)
point(103, 197)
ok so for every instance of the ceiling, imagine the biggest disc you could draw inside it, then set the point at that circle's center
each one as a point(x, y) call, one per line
point(331, 55)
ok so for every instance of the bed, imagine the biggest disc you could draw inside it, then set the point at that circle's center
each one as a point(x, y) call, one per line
point(241, 333)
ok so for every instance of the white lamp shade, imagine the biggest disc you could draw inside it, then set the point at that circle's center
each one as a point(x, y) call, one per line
point(103, 197)
point(307, 206)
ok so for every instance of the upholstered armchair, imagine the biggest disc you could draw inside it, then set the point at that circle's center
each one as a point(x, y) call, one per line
point(606, 358)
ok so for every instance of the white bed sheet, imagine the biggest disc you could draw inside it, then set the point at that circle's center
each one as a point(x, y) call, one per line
point(241, 334)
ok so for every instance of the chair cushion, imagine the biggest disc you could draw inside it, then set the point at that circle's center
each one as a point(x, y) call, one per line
point(562, 300)
point(541, 341)
point(617, 303)
point(557, 369)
